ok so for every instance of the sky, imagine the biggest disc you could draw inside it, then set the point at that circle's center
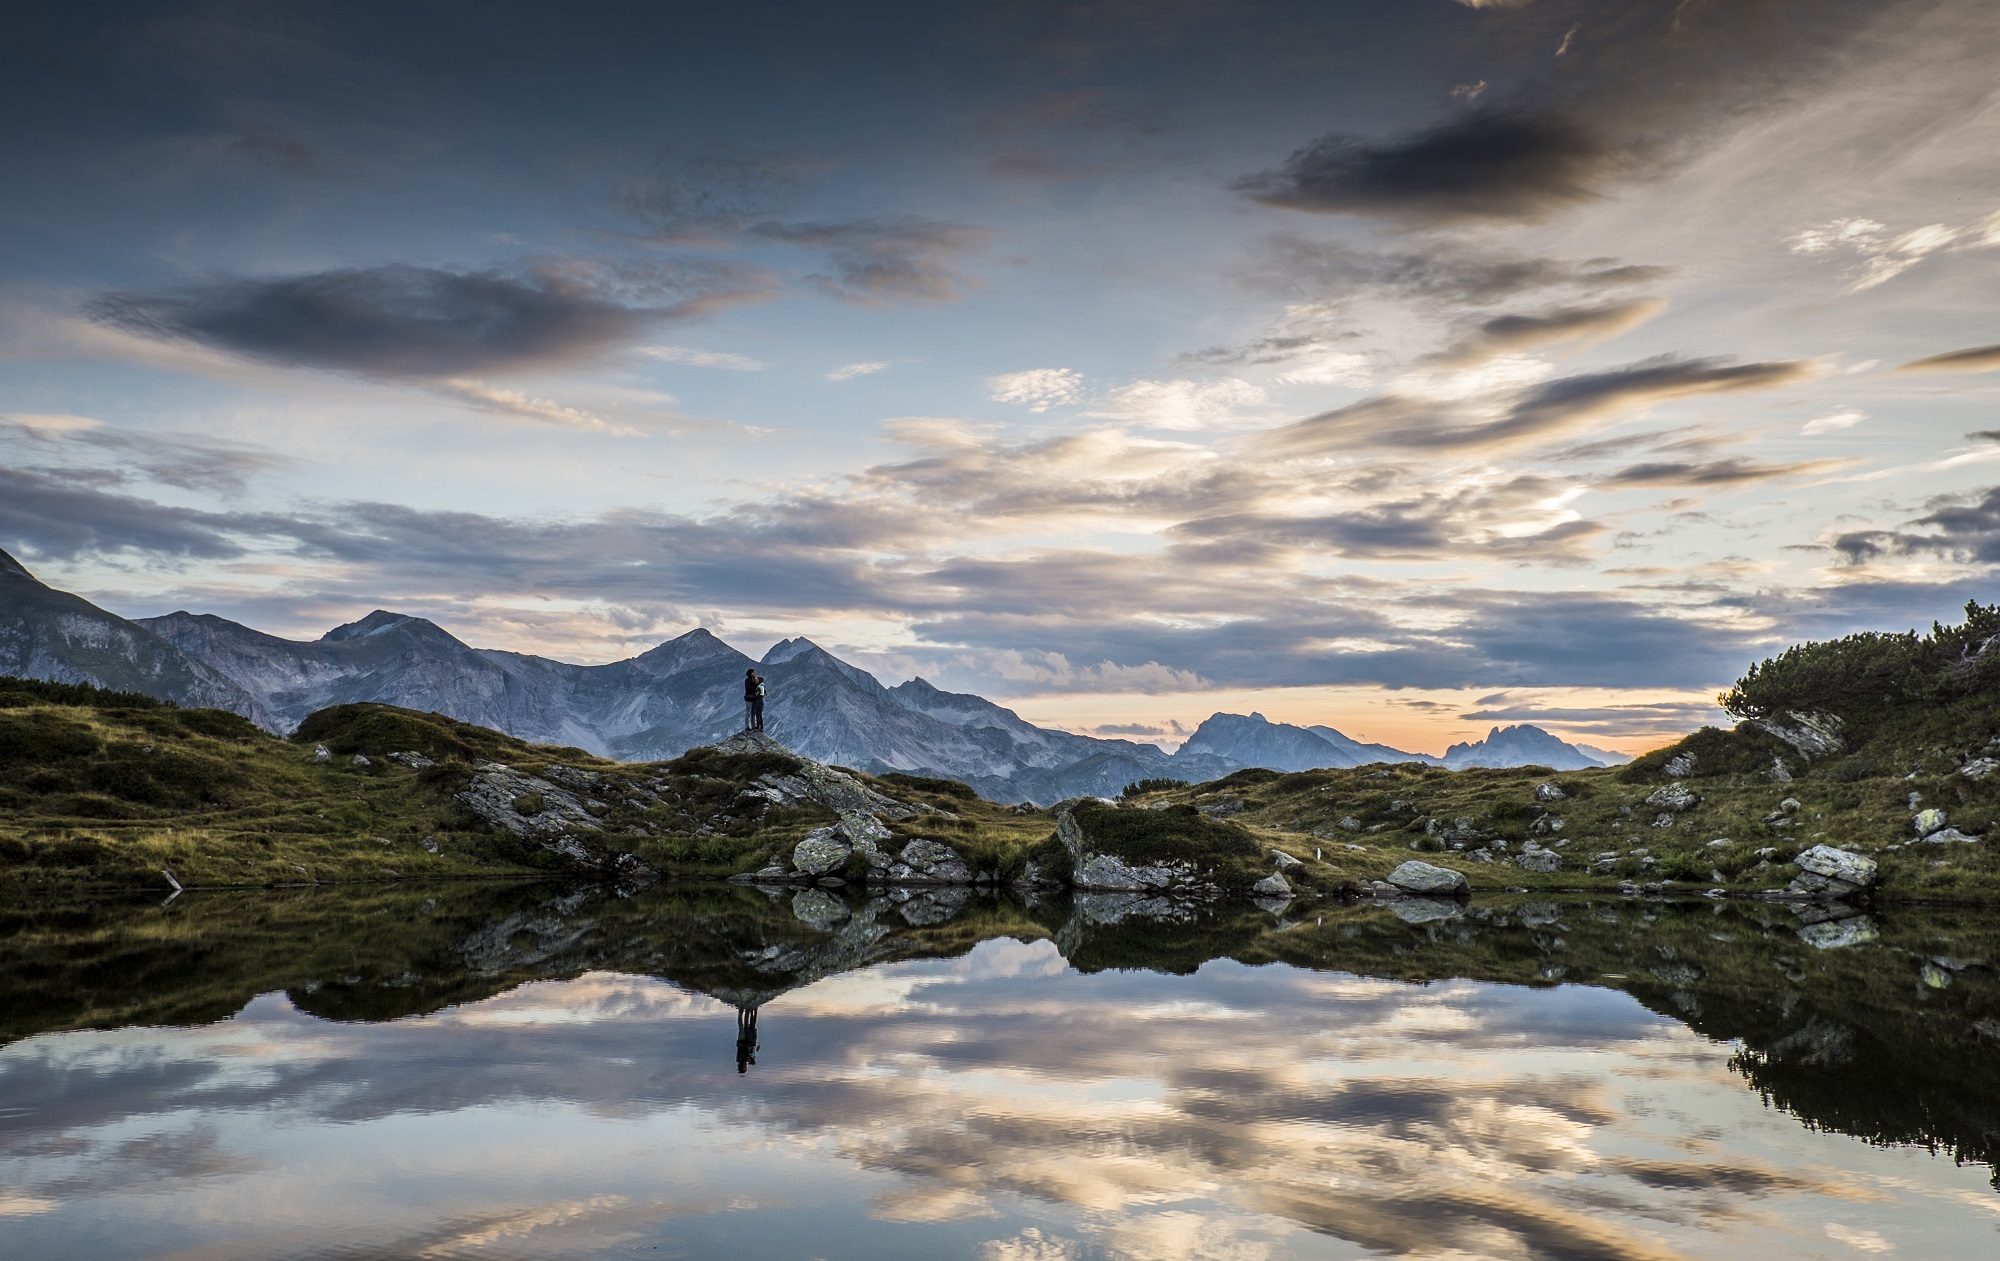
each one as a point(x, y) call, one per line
point(1408, 368)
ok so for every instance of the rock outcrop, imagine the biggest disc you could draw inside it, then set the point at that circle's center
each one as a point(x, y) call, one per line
point(1826, 872)
point(1424, 878)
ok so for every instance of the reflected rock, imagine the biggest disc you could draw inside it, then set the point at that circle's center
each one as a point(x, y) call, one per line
point(932, 906)
point(816, 908)
point(1835, 934)
point(1426, 910)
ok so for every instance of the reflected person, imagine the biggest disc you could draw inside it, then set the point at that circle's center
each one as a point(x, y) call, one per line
point(746, 1038)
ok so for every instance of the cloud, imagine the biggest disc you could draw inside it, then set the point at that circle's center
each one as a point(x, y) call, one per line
point(1037, 389)
point(1572, 326)
point(1184, 404)
point(490, 398)
point(1962, 529)
point(704, 358)
point(1846, 418)
point(1488, 165)
point(703, 197)
point(1885, 257)
point(192, 462)
point(871, 262)
point(1735, 471)
point(1549, 410)
point(848, 372)
point(1446, 275)
point(403, 322)
point(1973, 359)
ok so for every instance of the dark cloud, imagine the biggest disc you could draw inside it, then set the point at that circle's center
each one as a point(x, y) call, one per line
point(185, 461)
point(701, 197)
point(1734, 471)
point(1445, 275)
point(1546, 411)
point(1512, 334)
point(1965, 530)
point(873, 262)
point(1975, 359)
point(52, 514)
point(1490, 164)
point(422, 323)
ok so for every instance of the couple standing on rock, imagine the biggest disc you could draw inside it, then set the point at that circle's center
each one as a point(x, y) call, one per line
point(753, 700)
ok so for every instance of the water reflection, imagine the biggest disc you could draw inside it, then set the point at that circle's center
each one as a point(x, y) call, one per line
point(481, 1071)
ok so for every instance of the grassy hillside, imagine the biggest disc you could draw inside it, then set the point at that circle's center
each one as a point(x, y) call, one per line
point(1840, 744)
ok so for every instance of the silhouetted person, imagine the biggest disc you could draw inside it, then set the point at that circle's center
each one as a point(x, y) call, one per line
point(746, 1038)
point(753, 701)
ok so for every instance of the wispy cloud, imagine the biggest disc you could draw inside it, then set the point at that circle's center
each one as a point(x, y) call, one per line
point(1974, 359)
point(508, 402)
point(847, 372)
point(1885, 256)
point(704, 358)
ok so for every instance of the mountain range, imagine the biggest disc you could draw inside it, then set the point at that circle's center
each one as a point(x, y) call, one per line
point(662, 702)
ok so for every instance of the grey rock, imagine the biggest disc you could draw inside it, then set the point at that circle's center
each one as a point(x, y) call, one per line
point(1929, 821)
point(1780, 773)
point(1544, 861)
point(1549, 792)
point(1979, 768)
point(412, 759)
point(1226, 808)
point(359, 760)
point(1675, 797)
point(1720, 842)
point(1791, 805)
point(1663, 820)
point(1272, 886)
point(1934, 976)
point(1679, 765)
point(1838, 864)
point(1285, 861)
point(322, 754)
point(1944, 835)
point(1350, 824)
point(1814, 735)
point(1421, 877)
point(820, 851)
point(1102, 873)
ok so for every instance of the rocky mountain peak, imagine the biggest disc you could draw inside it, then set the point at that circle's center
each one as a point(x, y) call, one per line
point(13, 569)
point(374, 624)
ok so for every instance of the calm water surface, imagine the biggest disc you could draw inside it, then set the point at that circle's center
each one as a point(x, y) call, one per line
point(533, 1072)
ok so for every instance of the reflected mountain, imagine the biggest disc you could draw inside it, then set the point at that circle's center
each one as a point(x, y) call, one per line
point(1885, 1030)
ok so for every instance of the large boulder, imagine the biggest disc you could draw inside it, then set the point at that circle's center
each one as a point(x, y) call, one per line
point(1929, 821)
point(1421, 877)
point(821, 851)
point(1272, 886)
point(1828, 872)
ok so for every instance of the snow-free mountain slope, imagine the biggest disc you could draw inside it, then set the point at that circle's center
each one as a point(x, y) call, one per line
point(64, 638)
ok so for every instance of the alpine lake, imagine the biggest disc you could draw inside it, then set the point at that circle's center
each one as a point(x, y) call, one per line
point(533, 1070)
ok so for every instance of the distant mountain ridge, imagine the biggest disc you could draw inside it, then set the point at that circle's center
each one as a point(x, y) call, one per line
point(1255, 740)
point(683, 693)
